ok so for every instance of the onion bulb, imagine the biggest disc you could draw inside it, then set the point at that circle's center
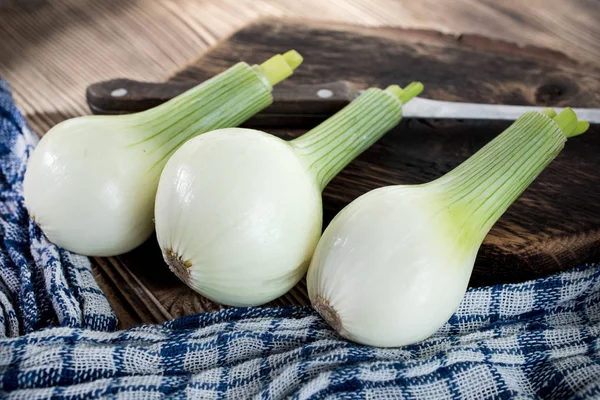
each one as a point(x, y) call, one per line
point(393, 265)
point(91, 182)
point(238, 211)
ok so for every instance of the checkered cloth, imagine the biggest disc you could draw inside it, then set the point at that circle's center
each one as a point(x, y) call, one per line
point(40, 284)
point(538, 339)
point(527, 341)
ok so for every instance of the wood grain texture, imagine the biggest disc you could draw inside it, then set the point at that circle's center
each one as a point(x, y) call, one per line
point(51, 50)
point(555, 224)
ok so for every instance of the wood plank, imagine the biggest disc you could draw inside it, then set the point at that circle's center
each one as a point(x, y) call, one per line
point(570, 27)
point(52, 49)
point(127, 315)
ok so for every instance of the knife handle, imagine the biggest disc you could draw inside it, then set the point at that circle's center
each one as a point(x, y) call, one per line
point(293, 105)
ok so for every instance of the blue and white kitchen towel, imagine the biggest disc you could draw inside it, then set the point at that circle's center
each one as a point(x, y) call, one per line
point(539, 339)
point(40, 284)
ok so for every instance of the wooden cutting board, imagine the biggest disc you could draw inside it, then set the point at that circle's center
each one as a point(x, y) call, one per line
point(555, 225)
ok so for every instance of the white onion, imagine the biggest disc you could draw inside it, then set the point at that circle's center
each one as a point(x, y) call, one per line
point(91, 182)
point(393, 266)
point(238, 212)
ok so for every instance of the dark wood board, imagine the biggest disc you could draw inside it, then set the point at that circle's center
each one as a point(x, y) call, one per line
point(555, 225)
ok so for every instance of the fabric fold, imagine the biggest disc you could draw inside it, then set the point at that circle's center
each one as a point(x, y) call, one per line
point(538, 339)
point(40, 285)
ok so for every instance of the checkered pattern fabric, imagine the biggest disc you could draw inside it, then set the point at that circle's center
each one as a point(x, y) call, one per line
point(534, 340)
point(40, 284)
point(539, 339)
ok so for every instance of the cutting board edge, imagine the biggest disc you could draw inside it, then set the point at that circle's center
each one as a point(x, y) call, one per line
point(467, 39)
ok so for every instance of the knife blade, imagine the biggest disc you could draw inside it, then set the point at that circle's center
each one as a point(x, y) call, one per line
point(426, 108)
point(303, 104)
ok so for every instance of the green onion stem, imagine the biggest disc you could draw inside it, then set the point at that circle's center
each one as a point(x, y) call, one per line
point(333, 144)
point(479, 191)
point(226, 100)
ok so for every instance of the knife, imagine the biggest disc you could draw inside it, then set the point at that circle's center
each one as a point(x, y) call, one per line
point(303, 104)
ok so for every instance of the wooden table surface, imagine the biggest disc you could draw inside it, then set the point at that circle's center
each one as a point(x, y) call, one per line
point(51, 50)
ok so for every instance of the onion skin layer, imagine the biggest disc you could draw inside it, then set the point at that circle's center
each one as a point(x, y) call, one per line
point(393, 265)
point(237, 229)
